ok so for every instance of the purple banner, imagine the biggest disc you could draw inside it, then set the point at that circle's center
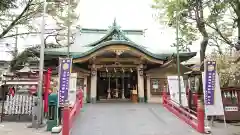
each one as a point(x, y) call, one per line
point(210, 74)
point(65, 66)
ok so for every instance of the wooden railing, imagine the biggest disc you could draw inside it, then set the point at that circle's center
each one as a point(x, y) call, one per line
point(192, 118)
point(69, 114)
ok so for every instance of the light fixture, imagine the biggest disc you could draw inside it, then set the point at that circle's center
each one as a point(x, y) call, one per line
point(106, 70)
point(93, 72)
point(131, 70)
point(115, 70)
point(141, 72)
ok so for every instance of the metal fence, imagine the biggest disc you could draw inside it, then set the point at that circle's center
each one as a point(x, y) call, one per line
point(17, 107)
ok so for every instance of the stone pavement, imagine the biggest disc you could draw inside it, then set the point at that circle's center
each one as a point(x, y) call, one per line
point(20, 128)
point(123, 119)
point(137, 119)
point(220, 129)
point(129, 119)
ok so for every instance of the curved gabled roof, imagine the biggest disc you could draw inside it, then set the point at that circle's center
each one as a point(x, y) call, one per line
point(131, 44)
point(114, 33)
point(135, 46)
point(114, 36)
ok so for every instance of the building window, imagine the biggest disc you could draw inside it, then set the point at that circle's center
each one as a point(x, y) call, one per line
point(157, 85)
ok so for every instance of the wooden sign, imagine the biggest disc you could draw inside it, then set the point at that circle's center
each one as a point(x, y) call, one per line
point(231, 108)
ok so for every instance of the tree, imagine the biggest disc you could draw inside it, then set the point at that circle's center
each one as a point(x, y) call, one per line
point(32, 10)
point(6, 4)
point(189, 13)
point(227, 69)
point(29, 53)
point(225, 21)
point(219, 27)
point(183, 45)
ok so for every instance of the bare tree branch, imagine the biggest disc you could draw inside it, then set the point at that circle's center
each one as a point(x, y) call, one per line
point(225, 39)
point(29, 33)
point(16, 20)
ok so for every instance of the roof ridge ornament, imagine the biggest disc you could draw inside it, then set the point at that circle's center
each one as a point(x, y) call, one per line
point(114, 22)
point(115, 25)
point(117, 32)
point(117, 36)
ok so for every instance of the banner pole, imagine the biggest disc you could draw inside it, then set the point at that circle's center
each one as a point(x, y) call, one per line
point(68, 32)
point(41, 68)
point(178, 58)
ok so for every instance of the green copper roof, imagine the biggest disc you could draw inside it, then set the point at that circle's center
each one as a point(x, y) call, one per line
point(161, 56)
point(117, 42)
point(184, 56)
point(86, 43)
point(113, 34)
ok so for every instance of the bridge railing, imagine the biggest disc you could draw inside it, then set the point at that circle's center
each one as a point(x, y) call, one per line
point(192, 118)
point(69, 114)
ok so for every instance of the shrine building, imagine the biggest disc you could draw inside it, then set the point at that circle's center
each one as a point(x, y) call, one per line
point(116, 61)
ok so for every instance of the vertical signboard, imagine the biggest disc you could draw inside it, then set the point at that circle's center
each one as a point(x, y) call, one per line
point(210, 75)
point(217, 108)
point(174, 90)
point(65, 66)
point(72, 89)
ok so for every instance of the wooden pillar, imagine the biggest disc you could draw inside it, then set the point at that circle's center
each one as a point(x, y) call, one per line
point(47, 87)
point(140, 83)
point(85, 89)
point(123, 96)
point(109, 88)
point(200, 117)
point(148, 89)
point(116, 90)
point(93, 84)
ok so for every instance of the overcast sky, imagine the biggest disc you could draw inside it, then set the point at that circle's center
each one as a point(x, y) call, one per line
point(130, 14)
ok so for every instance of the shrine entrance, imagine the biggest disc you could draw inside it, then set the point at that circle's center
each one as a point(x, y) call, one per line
point(116, 84)
point(116, 70)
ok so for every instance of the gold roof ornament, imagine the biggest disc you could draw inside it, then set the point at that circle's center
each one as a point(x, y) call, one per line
point(118, 52)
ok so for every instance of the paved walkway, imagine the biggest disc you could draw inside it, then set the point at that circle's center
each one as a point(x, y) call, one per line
point(129, 119)
point(122, 119)
point(20, 128)
point(220, 129)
